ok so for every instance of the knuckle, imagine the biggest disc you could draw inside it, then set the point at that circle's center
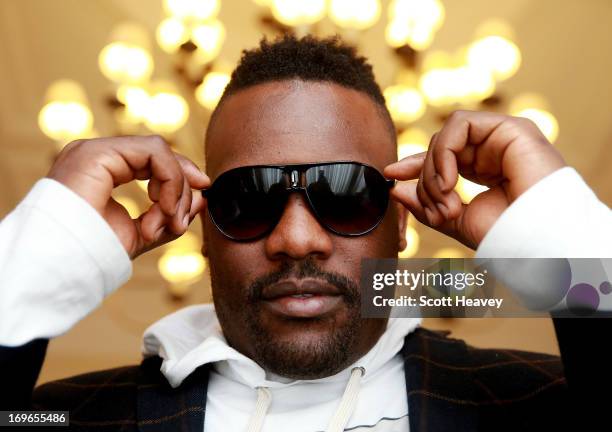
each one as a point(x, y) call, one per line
point(72, 146)
point(158, 141)
point(457, 115)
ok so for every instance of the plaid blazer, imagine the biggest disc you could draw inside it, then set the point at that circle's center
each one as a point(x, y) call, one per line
point(451, 387)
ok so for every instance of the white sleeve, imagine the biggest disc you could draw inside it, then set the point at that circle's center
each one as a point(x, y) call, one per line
point(558, 217)
point(58, 260)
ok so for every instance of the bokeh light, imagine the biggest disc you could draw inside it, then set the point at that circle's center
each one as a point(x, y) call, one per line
point(66, 115)
point(210, 91)
point(298, 12)
point(208, 37)
point(411, 141)
point(406, 104)
point(167, 110)
point(126, 59)
point(192, 10)
point(467, 189)
point(171, 33)
point(355, 14)
point(495, 54)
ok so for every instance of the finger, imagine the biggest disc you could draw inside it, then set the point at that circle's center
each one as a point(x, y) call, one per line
point(198, 204)
point(180, 221)
point(448, 203)
point(153, 189)
point(152, 224)
point(197, 179)
point(434, 216)
point(461, 129)
point(405, 193)
point(154, 153)
point(408, 168)
point(431, 179)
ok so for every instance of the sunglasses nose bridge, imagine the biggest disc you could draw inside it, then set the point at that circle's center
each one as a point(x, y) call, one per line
point(295, 180)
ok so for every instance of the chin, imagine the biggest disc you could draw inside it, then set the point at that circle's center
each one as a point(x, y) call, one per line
point(300, 348)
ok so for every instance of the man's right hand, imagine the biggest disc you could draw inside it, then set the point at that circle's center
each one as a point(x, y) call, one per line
point(93, 168)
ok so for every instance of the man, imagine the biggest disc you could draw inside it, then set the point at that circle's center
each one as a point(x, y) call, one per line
point(297, 148)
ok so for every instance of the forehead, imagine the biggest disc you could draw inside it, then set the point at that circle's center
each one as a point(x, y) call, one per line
point(296, 121)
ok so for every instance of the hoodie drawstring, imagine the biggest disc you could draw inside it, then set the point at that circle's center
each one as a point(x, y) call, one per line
point(264, 399)
point(341, 416)
point(348, 401)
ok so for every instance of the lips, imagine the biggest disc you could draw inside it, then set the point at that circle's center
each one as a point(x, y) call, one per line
point(301, 298)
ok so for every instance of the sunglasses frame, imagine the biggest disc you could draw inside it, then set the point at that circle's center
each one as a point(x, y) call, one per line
point(294, 173)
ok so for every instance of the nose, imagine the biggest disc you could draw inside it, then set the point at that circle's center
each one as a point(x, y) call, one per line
point(298, 234)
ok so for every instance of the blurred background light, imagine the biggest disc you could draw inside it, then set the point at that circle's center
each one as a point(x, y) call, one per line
point(126, 59)
point(535, 107)
point(495, 54)
point(181, 267)
point(411, 141)
point(405, 103)
point(495, 27)
point(167, 111)
point(546, 122)
point(355, 14)
point(143, 185)
point(129, 204)
point(66, 115)
point(171, 33)
point(413, 22)
point(208, 37)
point(210, 91)
point(182, 263)
point(449, 252)
point(196, 10)
point(467, 189)
point(298, 12)
point(136, 101)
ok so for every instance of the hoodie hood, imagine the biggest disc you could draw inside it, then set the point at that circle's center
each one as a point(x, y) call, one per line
point(192, 337)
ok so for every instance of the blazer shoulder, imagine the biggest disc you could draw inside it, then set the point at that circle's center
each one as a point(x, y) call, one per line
point(112, 386)
point(499, 376)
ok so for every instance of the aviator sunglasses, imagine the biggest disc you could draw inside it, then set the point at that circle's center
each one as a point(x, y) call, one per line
point(347, 198)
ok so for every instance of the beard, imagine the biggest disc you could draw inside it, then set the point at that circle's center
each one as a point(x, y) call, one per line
point(322, 346)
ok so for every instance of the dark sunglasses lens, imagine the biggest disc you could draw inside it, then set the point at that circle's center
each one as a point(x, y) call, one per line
point(247, 203)
point(348, 198)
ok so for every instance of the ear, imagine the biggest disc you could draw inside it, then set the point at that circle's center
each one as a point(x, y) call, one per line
point(402, 223)
point(204, 249)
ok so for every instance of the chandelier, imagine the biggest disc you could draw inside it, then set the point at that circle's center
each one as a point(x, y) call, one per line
point(435, 82)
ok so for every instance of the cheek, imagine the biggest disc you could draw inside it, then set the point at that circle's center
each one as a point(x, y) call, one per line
point(382, 241)
point(233, 265)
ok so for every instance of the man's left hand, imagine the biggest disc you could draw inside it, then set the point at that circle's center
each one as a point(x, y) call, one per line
point(506, 154)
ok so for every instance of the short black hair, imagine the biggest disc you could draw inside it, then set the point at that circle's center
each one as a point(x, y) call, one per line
point(307, 58)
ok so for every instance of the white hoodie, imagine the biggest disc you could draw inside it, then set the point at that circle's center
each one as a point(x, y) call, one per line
point(192, 337)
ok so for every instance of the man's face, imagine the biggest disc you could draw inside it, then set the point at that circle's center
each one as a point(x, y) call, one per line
point(297, 122)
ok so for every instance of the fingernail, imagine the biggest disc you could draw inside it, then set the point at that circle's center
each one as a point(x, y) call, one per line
point(186, 221)
point(428, 214)
point(158, 233)
point(443, 210)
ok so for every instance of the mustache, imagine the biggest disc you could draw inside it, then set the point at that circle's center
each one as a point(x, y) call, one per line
point(305, 269)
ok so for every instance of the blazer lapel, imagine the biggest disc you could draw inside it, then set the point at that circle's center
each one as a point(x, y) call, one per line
point(161, 407)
